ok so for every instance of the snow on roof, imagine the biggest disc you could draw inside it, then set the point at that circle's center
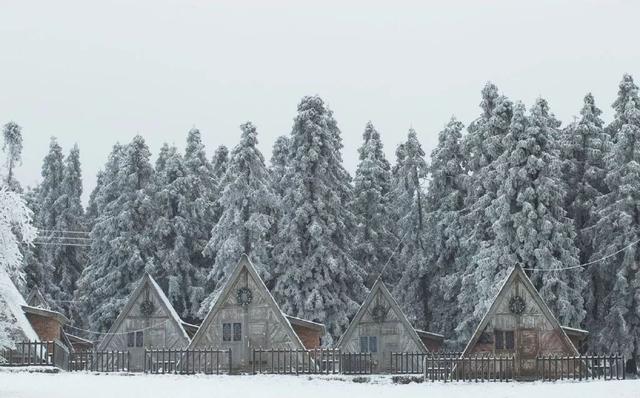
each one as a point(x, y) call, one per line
point(167, 303)
point(46, 312)
point(574, 330)
point(429, 334)
point(305, 322)
point(11, 301)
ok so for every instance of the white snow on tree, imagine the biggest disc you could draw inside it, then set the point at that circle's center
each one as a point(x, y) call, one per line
point(409, 202)
point(445, 197)
point(121, 246)
point(317, 278)
point(12, 148)
point(616, 253)
point(531, 226)
point(374, 240)
point(15, 229)
point(248, 204)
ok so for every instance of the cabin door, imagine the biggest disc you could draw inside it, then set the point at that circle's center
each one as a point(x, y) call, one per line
point(528, 348)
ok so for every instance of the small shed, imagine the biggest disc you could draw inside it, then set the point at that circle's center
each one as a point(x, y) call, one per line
point(380, 328)
point(47, 324)
point(244, 317)
point(310, 333)
point(520, 323)
point(147, 320)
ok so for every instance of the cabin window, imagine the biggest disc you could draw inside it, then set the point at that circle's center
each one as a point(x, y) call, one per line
point(504, 340)
point(139, 339)
point(237, 332)
point(131, 339)
point(368, 344)
point(231, 332)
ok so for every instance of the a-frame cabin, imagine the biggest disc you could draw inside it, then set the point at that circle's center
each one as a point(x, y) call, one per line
point(380, 328)
point(520, 323)
point(147, 320)
point(244, 317)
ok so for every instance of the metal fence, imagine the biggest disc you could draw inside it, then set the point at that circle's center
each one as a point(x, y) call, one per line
point(99, 361)
point(36, 353)
point(316, 361)
point(583, 367)
point(205, 361)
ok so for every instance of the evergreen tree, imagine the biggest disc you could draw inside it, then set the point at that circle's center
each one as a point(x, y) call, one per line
point(49, 212)
point(482, 146)
point(317, 278)
point(445, 196)
point(121, 247)
point(585, 145)
point(616, 255)
point(374, 239)
point(248, 204)
point(410, 202)
point(279, 163)
point(220, 161)
point(69, 259)
point(532, 228)
point(12, 147)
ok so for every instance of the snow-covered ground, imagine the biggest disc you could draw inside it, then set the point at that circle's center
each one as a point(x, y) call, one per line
point(77, 385)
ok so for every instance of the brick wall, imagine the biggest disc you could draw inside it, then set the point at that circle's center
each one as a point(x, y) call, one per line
point(48, 329)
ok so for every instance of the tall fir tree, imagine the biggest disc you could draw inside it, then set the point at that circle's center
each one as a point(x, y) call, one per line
point(532, 228)
point(69, 259)
point(248, 204)
point(482, 146)
point(121, 247)
point(279, 162)
point(445, 197)
point(317, 278)
point(616, 255)
point(220, 161)
point(12, 148)
point(374, 240)
point(47, 221)
point(584, 146)
point(410, 203)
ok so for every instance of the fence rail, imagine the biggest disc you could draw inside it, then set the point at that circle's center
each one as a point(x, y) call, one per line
point(476, 368)
point(413, 362)
point(582, 367)
point(99, 361)
point(35, 353)
point(316, 361)
point(207, 361)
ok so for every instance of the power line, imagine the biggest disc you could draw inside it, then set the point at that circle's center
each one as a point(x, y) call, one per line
point(391, 256)
point(585, 264)
point(63, 231)
point(60, 244)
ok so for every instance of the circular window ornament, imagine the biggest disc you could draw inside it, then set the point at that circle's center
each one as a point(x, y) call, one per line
point(379, 313)
point(147, 308)
point(244, 296)
point(517, 305)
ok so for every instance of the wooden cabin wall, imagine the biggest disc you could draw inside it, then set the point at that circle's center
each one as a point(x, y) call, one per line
point(392, 334)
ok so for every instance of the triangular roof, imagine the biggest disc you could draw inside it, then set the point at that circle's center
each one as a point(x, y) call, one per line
point(517, 273)
point(380, 287)
point(147, 280)
point(245, 264)
point(17, 325)
point(36, 299)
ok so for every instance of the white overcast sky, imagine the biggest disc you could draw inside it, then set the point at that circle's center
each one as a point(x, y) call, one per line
point(97, 72)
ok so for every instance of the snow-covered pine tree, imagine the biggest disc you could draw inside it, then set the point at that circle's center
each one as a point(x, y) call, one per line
point(482, 146)
point(12, 148)
point(248, 205)
point(317, 278)
point(69, 259)
point(220, 161)
point(279, 162)
point(15, 230)
point(374, 240)
point(409, 201)
point(47, 219)
point(532, 228)
point(445, 196)
point(616, 254)
point(584, 147)
point(121, 246)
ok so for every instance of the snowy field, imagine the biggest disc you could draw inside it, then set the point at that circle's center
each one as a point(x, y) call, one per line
point(76, 385)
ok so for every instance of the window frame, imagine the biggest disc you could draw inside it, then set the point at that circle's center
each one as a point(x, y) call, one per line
point(139, 339)
point(227, 333)
point(371, 344)
point(504, 340)
point(237, 331)
point(131, 339)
